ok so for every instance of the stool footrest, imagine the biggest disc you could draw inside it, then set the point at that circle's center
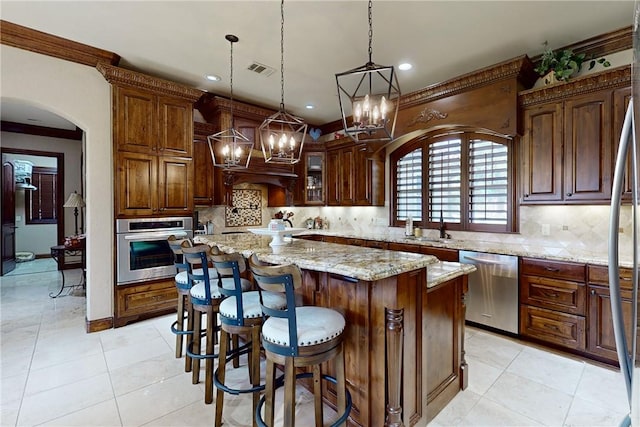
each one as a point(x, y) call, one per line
point(176, 331)
point(343, 417)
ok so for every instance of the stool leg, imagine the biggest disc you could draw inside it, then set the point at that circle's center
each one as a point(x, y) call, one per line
point(289, 393)
point(236, 360)
point(208, 370)
point(341, 386)
point(180, 325)
point(197, 326)
point(255, 366)
point(270, 393)
point(317, 394)
point(222, 366)
point(188, 361)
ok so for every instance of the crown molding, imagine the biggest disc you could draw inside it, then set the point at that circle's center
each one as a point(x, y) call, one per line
point(46, 44)
point(617, 77)
point(122, 76)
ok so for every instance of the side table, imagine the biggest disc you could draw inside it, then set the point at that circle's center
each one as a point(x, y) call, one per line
point(60, 253)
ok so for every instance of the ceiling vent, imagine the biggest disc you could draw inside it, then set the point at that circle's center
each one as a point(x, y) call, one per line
point(263, 70)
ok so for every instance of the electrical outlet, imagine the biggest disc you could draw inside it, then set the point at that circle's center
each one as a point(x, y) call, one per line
point(546, 229)
point(621, 230)
point(565, 227)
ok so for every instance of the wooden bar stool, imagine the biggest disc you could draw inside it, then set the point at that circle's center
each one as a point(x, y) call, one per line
point(299, 337)
point(205, 299)
point(183, 287)
point(240, 314)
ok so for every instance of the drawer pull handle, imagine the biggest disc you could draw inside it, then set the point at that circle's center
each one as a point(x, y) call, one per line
point(552, 294)
point(552, 327)
point(554, 269)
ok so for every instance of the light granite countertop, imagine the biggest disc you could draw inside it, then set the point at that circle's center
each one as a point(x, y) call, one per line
point(522, 249)
point(444, 271)
point(351, 261)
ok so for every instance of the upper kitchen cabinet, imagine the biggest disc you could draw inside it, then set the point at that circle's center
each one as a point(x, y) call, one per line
point(355, 176)
point(621, 98)
point(568, 140)
point(146, 123)
point(153, 144)
point(310, 187)
point(203, 177)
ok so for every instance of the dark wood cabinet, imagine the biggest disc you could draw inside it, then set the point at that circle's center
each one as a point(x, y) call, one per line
point(600, 339)
point(153, 185)
point(553, 302)
point(203, 169)
point(567, 150)
point(311, 185)
point(150, 123)
point(443, 254)
point(621, 98)
point(355, 177)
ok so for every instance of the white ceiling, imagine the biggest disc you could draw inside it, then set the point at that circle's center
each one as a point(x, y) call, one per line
point(184, 40)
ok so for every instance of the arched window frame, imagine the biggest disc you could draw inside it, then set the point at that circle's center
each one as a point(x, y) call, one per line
point(430, 217)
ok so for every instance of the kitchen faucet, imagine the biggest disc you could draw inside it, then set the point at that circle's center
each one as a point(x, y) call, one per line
point(443, 233)
point(288, 221)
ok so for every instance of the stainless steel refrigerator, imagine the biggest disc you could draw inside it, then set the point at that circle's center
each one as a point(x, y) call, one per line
point(626, 176)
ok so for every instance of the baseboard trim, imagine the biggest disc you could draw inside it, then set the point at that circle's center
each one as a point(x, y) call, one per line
point(99, 324)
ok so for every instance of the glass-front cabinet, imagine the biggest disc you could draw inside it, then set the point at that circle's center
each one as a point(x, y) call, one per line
point(314, 179)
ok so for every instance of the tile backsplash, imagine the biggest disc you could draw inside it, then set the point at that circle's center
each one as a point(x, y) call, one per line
point(553, 229)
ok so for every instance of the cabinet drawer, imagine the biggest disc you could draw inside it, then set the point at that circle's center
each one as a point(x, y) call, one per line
point(376, 244)
point(146, 299)
point(551, 326)
point(568, 297)
point(553, 269)
point(600, 275)
point(443, 254)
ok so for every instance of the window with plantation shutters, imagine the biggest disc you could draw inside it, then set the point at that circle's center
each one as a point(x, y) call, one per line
point(445, 180)
point(409, 186)
point(40, 204)
point(488, 182)
point(466, 181)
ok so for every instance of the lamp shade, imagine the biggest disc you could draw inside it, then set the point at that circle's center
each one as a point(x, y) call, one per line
point(74, 201)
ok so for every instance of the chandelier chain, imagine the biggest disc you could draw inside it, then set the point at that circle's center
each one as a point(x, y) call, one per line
point(370, 29)
point(282, 55)
point(231, 83)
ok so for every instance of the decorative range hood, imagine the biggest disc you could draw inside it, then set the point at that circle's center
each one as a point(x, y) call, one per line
point(22, 171)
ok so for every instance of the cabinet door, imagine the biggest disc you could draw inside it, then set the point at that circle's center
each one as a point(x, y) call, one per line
point(542, 154)
point(175, 186)
point(347, 162)
point(136, 120)
point(588, 147)
point(333, 178)
point(136, 184)
point(175, 123)
point(313, 178)
point(621, 98)
point(601, 340)
point(368, 180)
point(202, 172)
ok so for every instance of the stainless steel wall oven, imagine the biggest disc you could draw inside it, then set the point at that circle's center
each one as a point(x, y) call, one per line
point(142, 251)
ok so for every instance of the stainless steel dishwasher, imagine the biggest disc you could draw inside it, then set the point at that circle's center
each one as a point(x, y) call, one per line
point(492, 299)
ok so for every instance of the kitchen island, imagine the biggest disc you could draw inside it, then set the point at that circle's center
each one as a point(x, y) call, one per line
point(362, 283)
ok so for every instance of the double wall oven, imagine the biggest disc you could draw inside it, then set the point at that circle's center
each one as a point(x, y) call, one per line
point(142, 250)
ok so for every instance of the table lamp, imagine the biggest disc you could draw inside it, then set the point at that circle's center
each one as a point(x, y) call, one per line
point(74, 201)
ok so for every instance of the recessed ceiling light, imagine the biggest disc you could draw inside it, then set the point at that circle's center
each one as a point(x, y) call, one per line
point(213, 77)
point(309, 107)
point(405, 66)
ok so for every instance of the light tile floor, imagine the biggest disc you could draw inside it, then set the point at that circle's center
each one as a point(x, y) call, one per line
point(53, 373)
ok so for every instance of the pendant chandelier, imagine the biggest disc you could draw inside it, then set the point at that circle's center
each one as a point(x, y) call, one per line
point(370, 95)
point(230, 149)
point(282, 134)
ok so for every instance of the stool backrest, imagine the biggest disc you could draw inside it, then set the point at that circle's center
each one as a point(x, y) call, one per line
point(198, 256)
point(284, 279)
point(231, 266)
point(176, 246)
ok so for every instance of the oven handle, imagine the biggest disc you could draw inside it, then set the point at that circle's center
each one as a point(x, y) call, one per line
point(155, 236)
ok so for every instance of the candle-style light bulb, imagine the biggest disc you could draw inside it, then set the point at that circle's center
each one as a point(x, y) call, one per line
point(365, 106)
point(272, 141)
point(292, 143)
point(282, 142)
point(383, 108)
point(238, 154)
point(375, 115)
point(357, 112)
point(225, 150)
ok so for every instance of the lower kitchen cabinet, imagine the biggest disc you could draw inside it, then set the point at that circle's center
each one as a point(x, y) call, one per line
point(553, 302)
point(601, 341)
point(144, 300)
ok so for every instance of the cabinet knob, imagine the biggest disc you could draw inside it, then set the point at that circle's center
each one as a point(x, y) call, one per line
point(526, 195)
point(593, 291)
point(569, 194)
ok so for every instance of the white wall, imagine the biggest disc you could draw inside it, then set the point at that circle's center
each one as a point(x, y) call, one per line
point(81, 95)
point(38, 238)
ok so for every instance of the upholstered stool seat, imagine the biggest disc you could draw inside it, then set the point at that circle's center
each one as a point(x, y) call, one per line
point(298, 337)
point(240, 314)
